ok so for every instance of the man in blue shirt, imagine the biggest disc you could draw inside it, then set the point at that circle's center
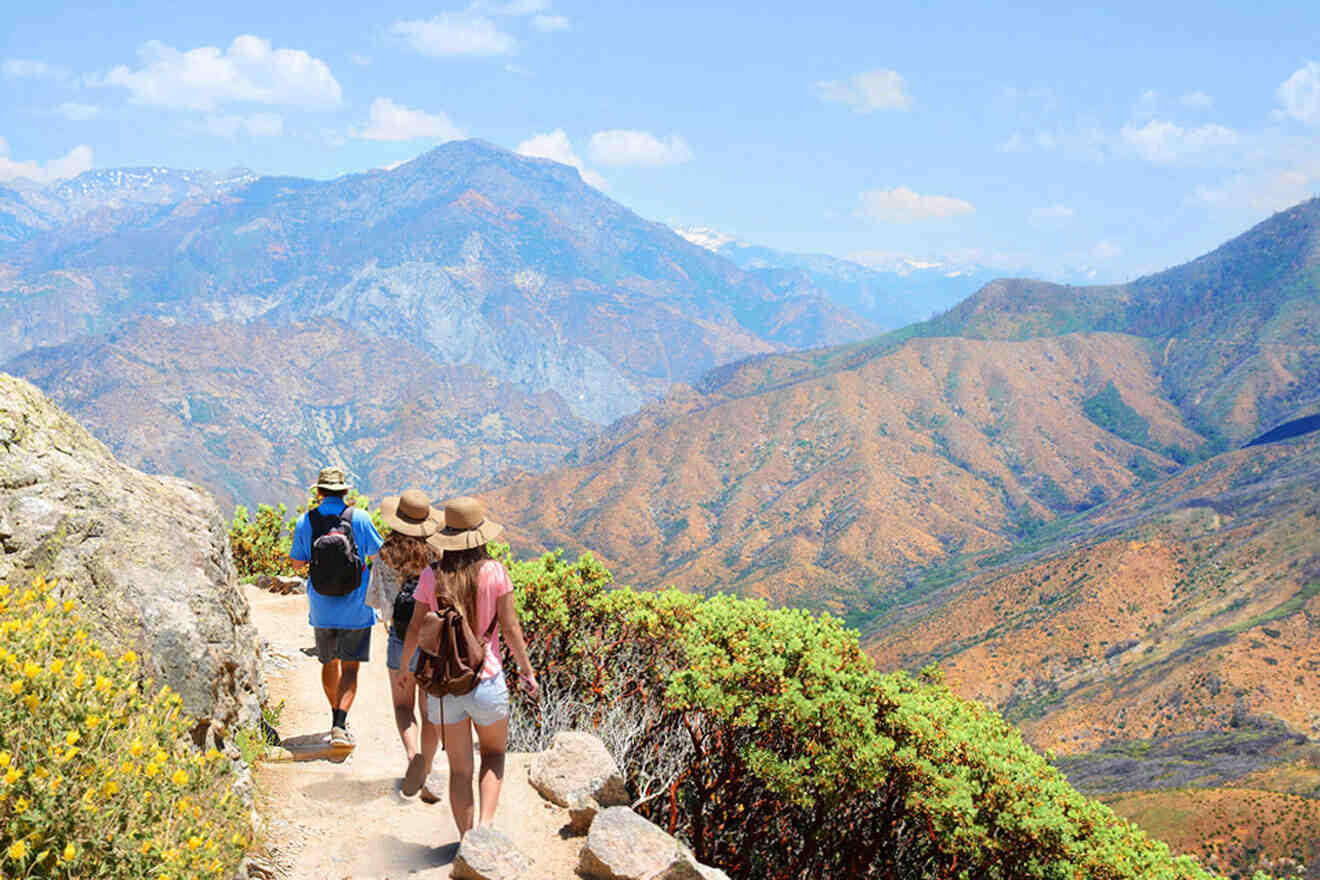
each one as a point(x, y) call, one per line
point(342, 623)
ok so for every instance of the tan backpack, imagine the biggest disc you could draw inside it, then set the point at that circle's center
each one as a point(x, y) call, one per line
point(450, 657)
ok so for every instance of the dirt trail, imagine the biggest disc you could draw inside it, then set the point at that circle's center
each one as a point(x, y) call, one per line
point(336, 817)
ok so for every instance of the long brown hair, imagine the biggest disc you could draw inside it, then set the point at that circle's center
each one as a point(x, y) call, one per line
point(456, 579)
point(406, 554)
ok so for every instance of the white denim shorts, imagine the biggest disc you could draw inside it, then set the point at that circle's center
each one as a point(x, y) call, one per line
point(485, 704)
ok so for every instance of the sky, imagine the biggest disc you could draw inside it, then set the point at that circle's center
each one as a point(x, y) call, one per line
point(1098, 143)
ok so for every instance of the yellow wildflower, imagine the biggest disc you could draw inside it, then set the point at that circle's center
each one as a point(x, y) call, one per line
point(111, 788)
point(4, 590)
point(93, 721)
point(21, 805)
point(79, 678)
point(50, 603)
point(40, 772)
point(16, 686)
point(32, 701)
point(5, 758)
point(136, 748)
point(212, 754)
point(102, 684)
point(152, 769)
point(56, 666)
point(31, 670)
point(69, 852)
point(179, 778)
point(17, 850)
point(145, 847)
point(68, 604)
point(194, 842)
point(130, 656)
point(13, 775)
point(80, 636)
point(72, 737)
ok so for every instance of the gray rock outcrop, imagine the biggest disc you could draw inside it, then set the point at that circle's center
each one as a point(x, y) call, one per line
point(486, 854)
point(624, 846)
point(146, 558)
point(577, 772)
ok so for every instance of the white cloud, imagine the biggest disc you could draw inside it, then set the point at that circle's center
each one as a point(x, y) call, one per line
point(1197, 100)
point(394, 122)
point(75, 162)
point(25, 68)
point(549, 23)
point(1264, 193)
point(1300, 94)
point(359, 59)
point(1054, 216)
point(1105, 251)
point(455, 34)
point(519, 7)
point(251, 70)
point(1159, 141)
point(902, 205)
point(1014, 143)
point(556, 147)
point(255, 125)
point(75, 112)
point(868, 92)
point(625, 147)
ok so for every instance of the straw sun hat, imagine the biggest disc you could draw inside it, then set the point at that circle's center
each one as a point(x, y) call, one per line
point(411, 514)
point(465, 526)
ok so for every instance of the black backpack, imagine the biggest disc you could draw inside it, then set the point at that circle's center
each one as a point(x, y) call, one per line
point(403, 605)
point(336, 567)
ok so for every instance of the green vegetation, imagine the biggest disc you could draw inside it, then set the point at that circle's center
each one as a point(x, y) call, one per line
point(260, 545)
point(1108, 410)
point(798, 758)
point(98, 776)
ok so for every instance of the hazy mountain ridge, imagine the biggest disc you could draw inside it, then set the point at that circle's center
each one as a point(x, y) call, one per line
point(475, 254)
point(252, 411)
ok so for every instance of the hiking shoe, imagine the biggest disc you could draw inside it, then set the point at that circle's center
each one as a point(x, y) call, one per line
point(339, 736)
point(416, 775)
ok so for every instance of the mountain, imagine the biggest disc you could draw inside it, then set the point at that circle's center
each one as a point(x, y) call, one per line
point(476, 255)
point(893, 294)
point(1038, 491)
point(252, 411)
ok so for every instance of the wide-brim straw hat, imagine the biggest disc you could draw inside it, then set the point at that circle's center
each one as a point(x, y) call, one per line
point(332, 479)
point(411, 514)
point(465, 526)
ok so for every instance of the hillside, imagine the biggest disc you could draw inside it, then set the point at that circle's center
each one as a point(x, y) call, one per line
point(475, 255)
point(252, 411)
point(825, 490)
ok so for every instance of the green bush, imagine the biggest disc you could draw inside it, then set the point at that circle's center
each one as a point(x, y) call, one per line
point(98, 777)
point(801, 760)
point(261, 545)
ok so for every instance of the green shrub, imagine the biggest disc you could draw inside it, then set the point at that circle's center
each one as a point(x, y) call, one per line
point(98, 777)
point(801, 760)
point(261, 545)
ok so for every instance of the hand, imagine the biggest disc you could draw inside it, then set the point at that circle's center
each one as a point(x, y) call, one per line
point(529, 686)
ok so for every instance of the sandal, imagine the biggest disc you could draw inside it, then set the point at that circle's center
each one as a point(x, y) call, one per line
point(416, 775)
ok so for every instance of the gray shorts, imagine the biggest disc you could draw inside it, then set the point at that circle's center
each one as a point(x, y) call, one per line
point(342, 644)
point(485, 704)
point(394, 653)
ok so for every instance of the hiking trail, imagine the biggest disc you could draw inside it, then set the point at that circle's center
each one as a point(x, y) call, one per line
point(331, 817)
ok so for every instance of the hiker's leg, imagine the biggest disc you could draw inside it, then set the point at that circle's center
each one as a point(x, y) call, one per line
point(348, 674)
point(430, 732)
point(401, 691)
point(458, 749)
point(492, 738)
point(330, 682)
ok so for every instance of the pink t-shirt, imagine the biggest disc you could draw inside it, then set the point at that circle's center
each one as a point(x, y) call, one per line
point(492, 582)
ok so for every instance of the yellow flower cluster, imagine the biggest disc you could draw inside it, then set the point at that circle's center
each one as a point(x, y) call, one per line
point(84, 747)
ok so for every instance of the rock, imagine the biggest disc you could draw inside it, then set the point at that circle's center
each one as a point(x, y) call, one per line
point(624, 846)
point(274, 583)
point(486, 854)
point(578, 773)
point(146, 559)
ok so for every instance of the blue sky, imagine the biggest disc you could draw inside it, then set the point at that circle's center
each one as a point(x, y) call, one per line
point(1102, 142)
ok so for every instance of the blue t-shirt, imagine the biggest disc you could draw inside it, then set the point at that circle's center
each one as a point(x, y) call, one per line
point(338, 612)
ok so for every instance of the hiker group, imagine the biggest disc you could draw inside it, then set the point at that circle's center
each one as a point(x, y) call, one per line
point(446, 603)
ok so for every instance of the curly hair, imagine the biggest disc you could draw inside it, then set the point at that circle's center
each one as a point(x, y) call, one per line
point(406, 554)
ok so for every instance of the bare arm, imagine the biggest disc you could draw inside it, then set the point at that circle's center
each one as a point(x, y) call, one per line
point(298, 565)
point(512, 630)
point(410, 638)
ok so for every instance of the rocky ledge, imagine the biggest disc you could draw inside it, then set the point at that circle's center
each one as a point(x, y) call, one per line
point(146, 558)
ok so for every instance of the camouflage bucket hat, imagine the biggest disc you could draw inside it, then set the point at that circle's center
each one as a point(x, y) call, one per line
point(332, 479)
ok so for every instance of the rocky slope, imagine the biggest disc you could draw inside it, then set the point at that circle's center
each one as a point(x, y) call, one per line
point(475, 255)
point(145, 558)
point(252, 411)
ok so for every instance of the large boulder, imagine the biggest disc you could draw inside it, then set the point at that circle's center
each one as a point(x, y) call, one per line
point(486, 854)
point(625, 846)
point(578, 772)
point(146, 558)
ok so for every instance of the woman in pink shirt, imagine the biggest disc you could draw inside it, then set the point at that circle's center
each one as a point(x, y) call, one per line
point(467, 578)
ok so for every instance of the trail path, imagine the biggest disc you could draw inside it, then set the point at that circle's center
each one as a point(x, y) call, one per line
point(331, 817)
